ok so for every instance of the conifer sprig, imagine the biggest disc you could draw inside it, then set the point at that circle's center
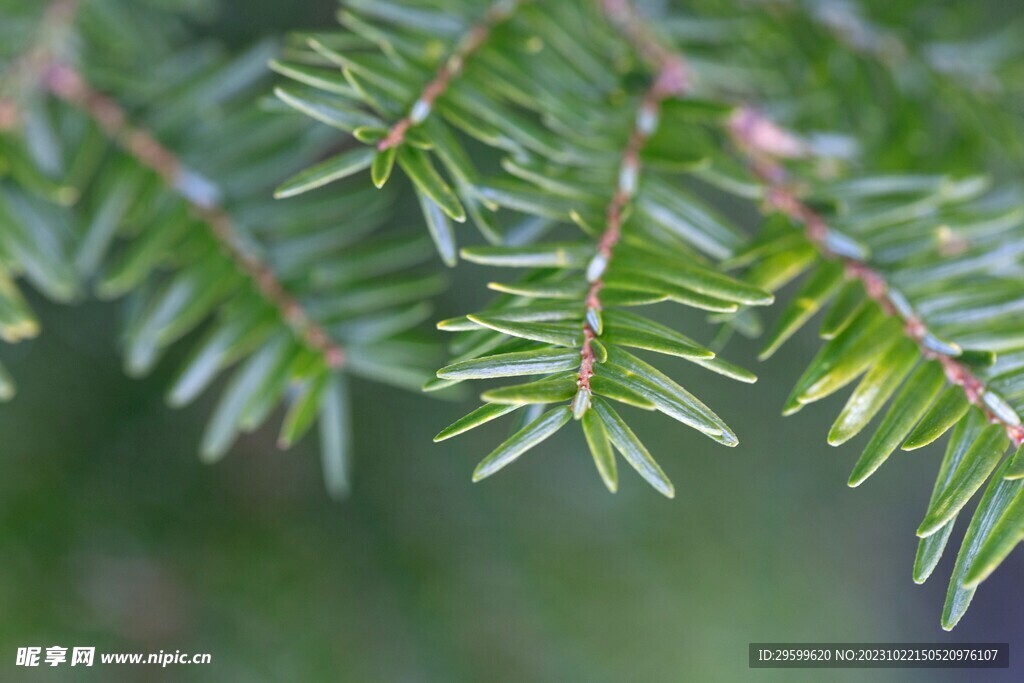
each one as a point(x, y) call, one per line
point(764, 143)
point(874, 327)
point(452, 66)
point(671, 81)
point(167, 201)
point(920, 276)
point(618, 197)
point(68, 84)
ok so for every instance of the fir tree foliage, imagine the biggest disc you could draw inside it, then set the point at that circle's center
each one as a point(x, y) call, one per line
point(136, 168)
point(579, 150)
point(919, 275)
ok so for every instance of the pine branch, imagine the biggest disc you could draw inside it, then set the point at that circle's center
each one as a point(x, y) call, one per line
point(894, 339)
point(572, 159)
point(763, 142)
point(65, 82)
point(125, 204)
point(472, 41)
point(390, 94)
point(583, 330)
point(920, 275)
point(672, 80)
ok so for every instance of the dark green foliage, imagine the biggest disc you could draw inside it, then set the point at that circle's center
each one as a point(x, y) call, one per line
point(291, 294)
point(612, 142)
point(943, 269)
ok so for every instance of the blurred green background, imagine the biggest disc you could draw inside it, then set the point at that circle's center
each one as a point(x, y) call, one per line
point(113, 534)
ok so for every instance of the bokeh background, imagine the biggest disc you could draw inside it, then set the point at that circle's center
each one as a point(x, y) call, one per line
point(113, 534)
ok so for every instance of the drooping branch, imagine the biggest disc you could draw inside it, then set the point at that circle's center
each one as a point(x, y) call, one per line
point(42, 67)
point(672, 80)
point(764, 145)
point(471, 42)
point(753, 135)
point(69, 85)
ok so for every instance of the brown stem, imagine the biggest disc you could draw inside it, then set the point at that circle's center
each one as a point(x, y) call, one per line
point(67, 84)
point(763, 143)
point(781, 197)
point(470, 43)
point(41, 66)
point(672, 80)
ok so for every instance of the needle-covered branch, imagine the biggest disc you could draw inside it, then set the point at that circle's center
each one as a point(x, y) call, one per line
point(617, 144)
point(168, 203)
point(965, 252)
point(569, 316)
point(65, 82)
point(467, 46)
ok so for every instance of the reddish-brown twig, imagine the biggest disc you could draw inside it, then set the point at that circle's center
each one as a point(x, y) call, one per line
point(764, 145)
point(42, 67)
point(672, 80)
point(67, 84)
point(471, 42)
